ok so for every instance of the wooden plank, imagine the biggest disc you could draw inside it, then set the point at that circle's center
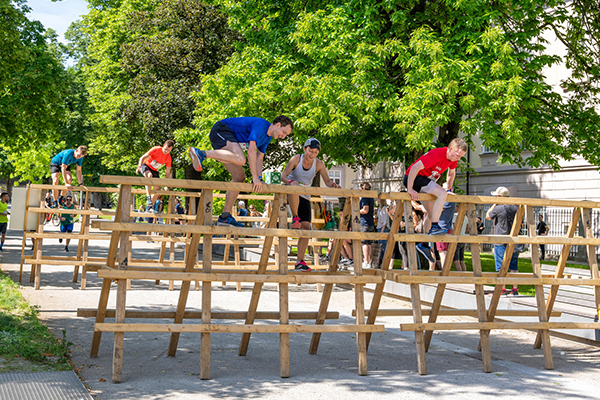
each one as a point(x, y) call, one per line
point(284, 309)
point(207, 204)
point(560, 268)
point(499, 239)
point(387, 258)
point(453, 312)
point(38, 248)
point(591, 254)
point(454, 198)
point(414, 291)
point(24, 244)
point(494, 281)
point(263, 315)
point(297, 278)
point(124, 245)
point(190, 261)
point(361, 340)
point(463, 326)
point(219, 328)
point(539, 291)
point(262, 267)
point(484, 334)
point(439, 292)
point(241, 187)
point(333, 266)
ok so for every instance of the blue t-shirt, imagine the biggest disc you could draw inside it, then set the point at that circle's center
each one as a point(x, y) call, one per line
point(66, 157)
point(250, 129)
point(367, 219)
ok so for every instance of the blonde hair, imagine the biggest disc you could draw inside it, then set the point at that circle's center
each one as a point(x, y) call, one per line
point(459, 144)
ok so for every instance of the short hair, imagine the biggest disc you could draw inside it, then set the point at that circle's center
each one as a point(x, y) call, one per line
point(82, 150)
point(169, 143)
point(367, 185)
point(284, 121)
point(459, 144)
point(3, 194)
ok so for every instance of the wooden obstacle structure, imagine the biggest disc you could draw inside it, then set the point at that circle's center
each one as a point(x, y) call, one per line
point(87, 263)
point(120, 270)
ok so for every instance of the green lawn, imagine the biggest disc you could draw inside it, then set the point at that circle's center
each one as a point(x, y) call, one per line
point(24, 337)
point(488, 265)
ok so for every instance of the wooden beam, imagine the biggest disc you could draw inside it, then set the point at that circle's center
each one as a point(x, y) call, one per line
point(219, 328)
point(454, 312)
point(464, 326)
point(262, 315)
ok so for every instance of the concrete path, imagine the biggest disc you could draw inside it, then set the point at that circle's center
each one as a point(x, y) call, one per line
point(454, 365)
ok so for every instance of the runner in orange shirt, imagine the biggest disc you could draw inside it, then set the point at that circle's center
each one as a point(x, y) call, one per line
point(151, 162)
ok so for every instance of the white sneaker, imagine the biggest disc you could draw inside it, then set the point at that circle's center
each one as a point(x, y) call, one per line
point(365, 265)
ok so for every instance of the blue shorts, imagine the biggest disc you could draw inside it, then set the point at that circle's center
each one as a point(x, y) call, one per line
point(66, 228)
point(499, 251)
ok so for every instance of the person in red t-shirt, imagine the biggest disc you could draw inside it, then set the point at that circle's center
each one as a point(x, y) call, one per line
point(151, 162)
point(421, 177)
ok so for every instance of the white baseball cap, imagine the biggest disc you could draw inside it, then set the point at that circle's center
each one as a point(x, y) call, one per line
point(501, 191)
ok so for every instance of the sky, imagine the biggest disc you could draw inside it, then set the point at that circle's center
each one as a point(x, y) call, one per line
point(57, 15)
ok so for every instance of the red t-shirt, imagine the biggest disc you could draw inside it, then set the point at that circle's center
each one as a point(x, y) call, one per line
point(434, 163)
point(158, 158)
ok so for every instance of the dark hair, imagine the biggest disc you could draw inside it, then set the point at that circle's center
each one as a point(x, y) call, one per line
point(284, 121)
point(3, 194)
point(419, 214)
point(169, 143)
point(82, 150)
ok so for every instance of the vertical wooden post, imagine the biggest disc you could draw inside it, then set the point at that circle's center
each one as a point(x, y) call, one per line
point(38, 247)
point(124, 246)
point(560, 268)
point(591, 253)
point(333, 266)
point(439, 292)
point(25, 232)
point(284, 317)
point(361, 339)
point(415, 294)
point(207, 206)
point(190, 261)
point(262, 268)
point(539, 290)
point(484, 334)
point(387, 258)
point(82, 244)
point(236, 253)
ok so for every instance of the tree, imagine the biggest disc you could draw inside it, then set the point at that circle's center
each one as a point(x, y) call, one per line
point(31, 76)
point(382, 80)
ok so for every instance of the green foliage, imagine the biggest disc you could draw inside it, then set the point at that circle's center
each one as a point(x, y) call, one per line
point(23, 335)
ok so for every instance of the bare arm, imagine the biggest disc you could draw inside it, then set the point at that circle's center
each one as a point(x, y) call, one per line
point(487, 215)
point(364, 209)
point(80, 175)
point(252, 159)
point(285, 175)
point(450, 178)
point(141, 161)
point(259, 162)
point(323, 171)
point(414, 171)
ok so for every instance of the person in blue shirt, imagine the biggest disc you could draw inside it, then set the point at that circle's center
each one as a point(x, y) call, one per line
point(229, 138)
point(60, 164)
point(367, 223)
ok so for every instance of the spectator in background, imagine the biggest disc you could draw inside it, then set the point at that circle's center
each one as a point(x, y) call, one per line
point(479, 226)
point(3, 217)
point(542, 230)
point(367, 223)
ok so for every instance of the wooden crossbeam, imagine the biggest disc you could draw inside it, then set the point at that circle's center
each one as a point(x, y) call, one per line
point(261, 315)
point(220, 328)
point(464, 326)
point(455, 312)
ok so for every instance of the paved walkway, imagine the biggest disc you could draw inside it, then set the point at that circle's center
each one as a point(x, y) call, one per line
point(454, 365)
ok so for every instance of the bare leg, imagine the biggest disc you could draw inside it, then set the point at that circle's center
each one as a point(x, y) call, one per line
point(294, 201)
point(434, 209)
point(237, 175)
point(348, 248)
point(367, 251)
point(67, 242)
point(55, 182)
point(303, 242)
point(68, 182)
point(230, 154)
point(443, 255)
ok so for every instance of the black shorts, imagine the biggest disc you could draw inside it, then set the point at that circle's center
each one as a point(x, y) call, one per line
point(220, 134)
point(153, 171)
point(367, 228)
point(419, 183)
point(304, 210)
point(459, 254)
point(54, 168)
point(3, 226)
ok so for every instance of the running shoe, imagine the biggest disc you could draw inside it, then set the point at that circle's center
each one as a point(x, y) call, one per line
point(61, 200)
point(301, 266)
point(426, 251)
point(229, 221)
point(436, 230)
point(504, 292)
point(66, 249)
point(296, 223)
point(324, 259)
point(515, 292)
point(197, 157)
point(55, 204)
point(60, 240)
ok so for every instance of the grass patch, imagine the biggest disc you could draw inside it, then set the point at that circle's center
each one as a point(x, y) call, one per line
point(488, 265)
point(24, 337)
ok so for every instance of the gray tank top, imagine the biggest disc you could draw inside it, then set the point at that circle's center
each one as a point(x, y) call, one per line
point(305, 177)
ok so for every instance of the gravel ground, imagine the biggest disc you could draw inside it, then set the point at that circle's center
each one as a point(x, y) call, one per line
point(453, 363)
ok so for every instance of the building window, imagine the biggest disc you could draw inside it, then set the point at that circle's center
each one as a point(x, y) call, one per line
point(486, 150)
point(336, 176)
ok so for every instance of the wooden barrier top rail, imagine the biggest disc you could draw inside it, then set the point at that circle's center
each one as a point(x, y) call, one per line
point(519, 201)
point(244, 187)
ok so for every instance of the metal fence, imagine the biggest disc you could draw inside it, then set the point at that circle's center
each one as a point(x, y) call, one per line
point(558, 220)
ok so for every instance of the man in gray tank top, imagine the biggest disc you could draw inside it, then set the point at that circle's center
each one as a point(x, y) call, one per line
point(300, 171)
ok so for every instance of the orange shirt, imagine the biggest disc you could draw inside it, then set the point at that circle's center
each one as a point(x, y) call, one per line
point(157, 158)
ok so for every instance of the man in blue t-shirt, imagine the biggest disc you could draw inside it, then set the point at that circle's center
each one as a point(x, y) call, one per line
point(367, 223)
point(229, 138)
point(60, 164)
